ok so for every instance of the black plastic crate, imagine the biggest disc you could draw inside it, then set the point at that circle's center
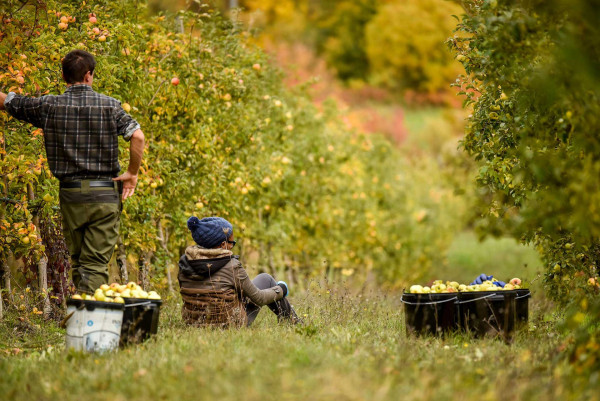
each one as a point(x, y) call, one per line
point(430, 313)
point(140, 320)
point(488, 313)
point(522, 306)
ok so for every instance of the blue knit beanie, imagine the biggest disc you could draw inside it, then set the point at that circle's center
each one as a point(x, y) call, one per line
point(209, 232)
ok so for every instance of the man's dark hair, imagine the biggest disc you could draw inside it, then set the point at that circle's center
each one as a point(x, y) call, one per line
point(76, 64)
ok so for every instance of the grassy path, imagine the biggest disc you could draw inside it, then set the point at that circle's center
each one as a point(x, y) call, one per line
point(353, 347)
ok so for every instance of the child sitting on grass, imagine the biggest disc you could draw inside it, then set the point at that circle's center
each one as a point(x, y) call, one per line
point(216, 289)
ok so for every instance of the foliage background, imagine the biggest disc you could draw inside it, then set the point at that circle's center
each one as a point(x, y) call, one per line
point(313, 196)
point(309, 196)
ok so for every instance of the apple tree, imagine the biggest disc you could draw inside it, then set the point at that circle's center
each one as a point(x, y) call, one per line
point(533, 82)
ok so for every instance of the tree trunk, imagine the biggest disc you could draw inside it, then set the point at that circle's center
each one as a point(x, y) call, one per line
point(43, 262)
point(122, 261)
point(3, 268)
point(6, 280)
point(270, 260)
point(43, 283)
point(144, 269)
point(164, 240)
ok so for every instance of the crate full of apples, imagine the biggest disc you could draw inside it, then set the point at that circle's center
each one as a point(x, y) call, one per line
point(140, 313)
point(439, 287)
point(485, 306)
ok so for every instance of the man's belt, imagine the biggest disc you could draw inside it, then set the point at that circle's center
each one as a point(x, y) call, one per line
point(93, 184)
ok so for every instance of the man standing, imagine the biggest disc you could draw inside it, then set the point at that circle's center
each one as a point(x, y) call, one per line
point(81, 130)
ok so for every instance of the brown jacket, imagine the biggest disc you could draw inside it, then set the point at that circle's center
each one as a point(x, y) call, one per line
point(215, 288)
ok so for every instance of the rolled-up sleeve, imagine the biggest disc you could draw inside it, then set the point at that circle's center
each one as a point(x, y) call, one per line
point(28, 109)
point(126, 125)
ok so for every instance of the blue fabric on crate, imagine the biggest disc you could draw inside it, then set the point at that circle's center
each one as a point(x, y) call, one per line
point(484, 277)
point(481, 278)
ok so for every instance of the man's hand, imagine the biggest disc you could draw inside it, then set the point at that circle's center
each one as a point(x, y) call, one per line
point(129, 178)
point(129, 183)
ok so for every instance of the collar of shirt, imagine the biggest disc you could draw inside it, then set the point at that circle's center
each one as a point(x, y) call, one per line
point(78, 88)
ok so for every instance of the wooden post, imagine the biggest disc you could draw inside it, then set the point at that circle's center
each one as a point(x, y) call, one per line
point(164, 240)
point(43, 262)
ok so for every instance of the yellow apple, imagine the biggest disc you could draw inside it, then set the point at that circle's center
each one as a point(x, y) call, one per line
point(416, 289)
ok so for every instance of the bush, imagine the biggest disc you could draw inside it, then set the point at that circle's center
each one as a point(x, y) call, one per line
point(534, 84)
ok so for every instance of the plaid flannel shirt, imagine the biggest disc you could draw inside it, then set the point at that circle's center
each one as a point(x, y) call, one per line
point(81, 130)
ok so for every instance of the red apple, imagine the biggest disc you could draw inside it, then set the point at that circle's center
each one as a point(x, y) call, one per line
point(175, 81)
point(93, 20)
point(515, 281)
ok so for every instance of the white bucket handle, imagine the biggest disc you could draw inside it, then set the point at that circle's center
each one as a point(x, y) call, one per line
point(477, 299)
point(138, 304)
point(428, 303)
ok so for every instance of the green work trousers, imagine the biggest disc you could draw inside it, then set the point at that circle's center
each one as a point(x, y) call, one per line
point(91, 228)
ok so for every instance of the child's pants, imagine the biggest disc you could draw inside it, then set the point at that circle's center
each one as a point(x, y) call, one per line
point(281, 308)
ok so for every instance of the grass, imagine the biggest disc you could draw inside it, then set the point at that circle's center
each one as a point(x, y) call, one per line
point(352, 347)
